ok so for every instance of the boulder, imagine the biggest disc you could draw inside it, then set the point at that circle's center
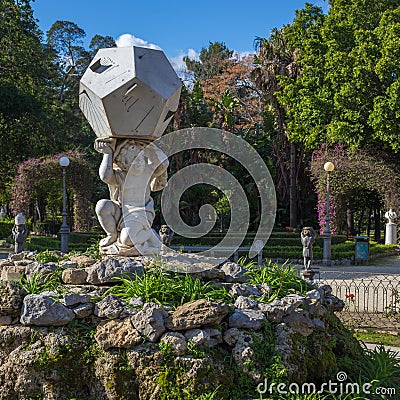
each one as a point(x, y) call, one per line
point(117, 334)
point(38, 268)
point(41, 310)
point(196, 314)
point(149, 321)
point(247, 319)
point(73, 299)
point(245, 303)
point(110, 269)
point(110, 307)
point(74, 276)
point(244, 290)
point(177, 341)
point(234, 273)
point(11, 297)
point(83, 310)
point(300, 322)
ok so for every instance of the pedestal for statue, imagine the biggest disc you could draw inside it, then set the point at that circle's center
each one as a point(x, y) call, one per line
point(391, 227)
point(129, 96)
point(391, 233)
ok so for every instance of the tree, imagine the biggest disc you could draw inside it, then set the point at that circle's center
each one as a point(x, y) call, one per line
point(100, 42)
point(276, 58)
point(348, 91)
point(26, 76)
point(210, 61)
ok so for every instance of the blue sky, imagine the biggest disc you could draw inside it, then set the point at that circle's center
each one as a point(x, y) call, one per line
point(178, 27)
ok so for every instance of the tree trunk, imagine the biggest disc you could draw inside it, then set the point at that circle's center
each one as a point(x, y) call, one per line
point(369, 221)
point(360, 222)
point(293, 187)
point(350, 223)
point(377, 218)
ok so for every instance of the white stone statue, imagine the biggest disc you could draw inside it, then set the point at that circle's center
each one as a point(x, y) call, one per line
point(391, 227)
point(391, 216)
point(132, 169)
point(129, 96)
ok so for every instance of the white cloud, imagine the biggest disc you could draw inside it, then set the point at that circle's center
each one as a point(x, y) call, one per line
point(179, 65)
point(130, 40)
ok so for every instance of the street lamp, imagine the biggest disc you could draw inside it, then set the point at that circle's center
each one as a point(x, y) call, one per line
point(328, 167)
point(64, 230)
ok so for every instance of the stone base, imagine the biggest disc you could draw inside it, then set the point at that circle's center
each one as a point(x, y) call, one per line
point(308, 274)
point(391, 233)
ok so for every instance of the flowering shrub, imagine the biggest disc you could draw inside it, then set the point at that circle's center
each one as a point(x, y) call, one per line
point(355, 172)
point(33, 172)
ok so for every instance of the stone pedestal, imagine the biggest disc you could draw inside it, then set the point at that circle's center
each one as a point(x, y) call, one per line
point(391, 233)
point(308, 274)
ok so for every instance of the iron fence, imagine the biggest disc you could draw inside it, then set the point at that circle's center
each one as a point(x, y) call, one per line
point(372, 300)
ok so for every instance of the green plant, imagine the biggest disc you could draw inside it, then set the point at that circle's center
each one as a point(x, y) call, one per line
point(38, 283)
point(196, 351)
point(282, 279)
point(380, 366)
point(93, 250)
point(47, 256)
point(160, 287)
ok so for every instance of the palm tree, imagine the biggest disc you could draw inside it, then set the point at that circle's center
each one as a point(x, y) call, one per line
point(274, 59)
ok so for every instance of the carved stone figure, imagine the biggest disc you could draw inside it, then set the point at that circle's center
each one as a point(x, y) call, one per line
point(166, 234)
point(391, 216)
point(129, 96)
point(308, 236)
point(19, 232)
point(132, 169)
point(391, 227)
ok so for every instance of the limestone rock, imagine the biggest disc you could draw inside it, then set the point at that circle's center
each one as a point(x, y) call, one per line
point(318, 324)
point(244, 290)
point(315, 294)
point(177, 341)
point(197, 336)
point(196, 314)
point(136, 302)
point(149, 321)
point(274, 311)
point(10, 299)
point(300, 322)
point(231, 336)
point(44, 311)
point(209, 337)
point(111, 268)
point(234, 272)
point(245, 303)
point(117, 334)
point(12, 273)
point(247, 319)
point(38, 268)
point(333, 303)
point(74, 276)
point(110, 307)
point(83, 310)
point(295, 299)
point(72, 299)
point(83, 261)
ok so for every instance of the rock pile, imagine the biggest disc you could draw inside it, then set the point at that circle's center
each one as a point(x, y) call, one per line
point(130, 325)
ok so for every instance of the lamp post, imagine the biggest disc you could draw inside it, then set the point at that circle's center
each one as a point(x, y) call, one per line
point(328, 167)
point(64, 230)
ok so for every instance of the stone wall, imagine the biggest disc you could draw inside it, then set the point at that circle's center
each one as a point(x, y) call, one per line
point(80, 344)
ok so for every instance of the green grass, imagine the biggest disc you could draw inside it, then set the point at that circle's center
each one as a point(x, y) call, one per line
point(385, 339)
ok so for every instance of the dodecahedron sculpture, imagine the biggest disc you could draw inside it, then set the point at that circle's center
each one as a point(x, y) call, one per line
point(129, 92)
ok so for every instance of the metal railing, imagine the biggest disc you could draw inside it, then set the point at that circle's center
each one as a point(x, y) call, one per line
point(372, 299)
